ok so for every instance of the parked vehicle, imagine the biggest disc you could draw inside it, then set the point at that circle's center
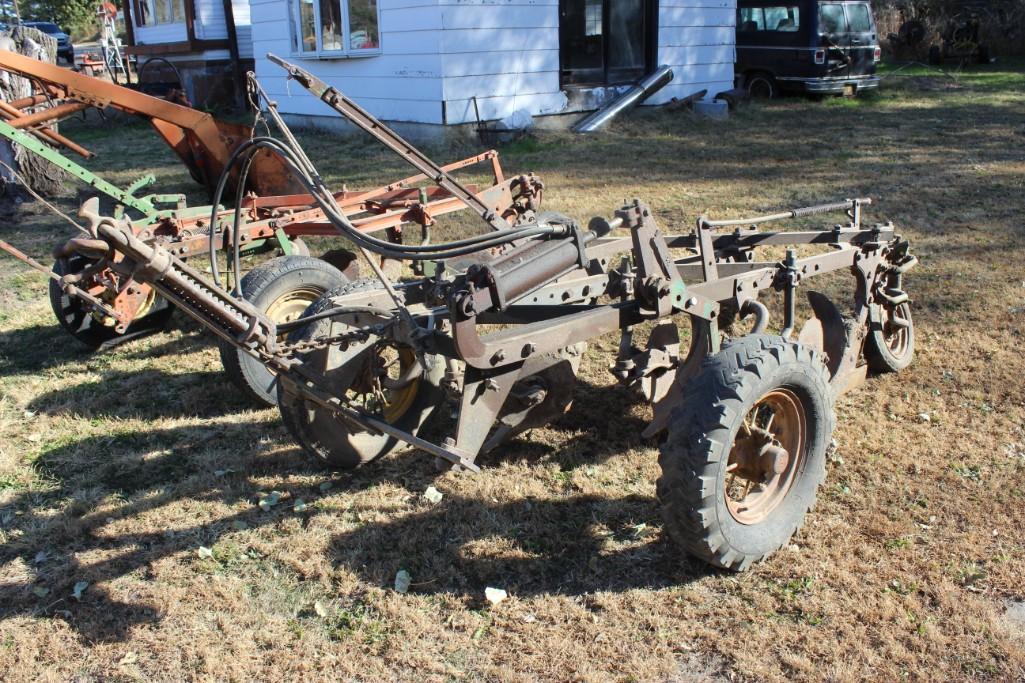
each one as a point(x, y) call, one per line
point(806, 46)
point(65, 50)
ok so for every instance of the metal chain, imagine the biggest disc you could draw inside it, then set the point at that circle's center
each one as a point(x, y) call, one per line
point(308, 345)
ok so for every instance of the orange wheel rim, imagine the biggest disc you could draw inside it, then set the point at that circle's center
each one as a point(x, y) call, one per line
point(767, 456)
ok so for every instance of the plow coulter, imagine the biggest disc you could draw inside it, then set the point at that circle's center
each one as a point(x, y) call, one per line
point(496, 324)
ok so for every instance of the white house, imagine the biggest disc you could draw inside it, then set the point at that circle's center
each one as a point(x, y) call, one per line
point(208, 41)
point(424, 61)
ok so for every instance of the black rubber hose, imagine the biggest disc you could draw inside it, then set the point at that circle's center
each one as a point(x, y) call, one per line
point(326, 202)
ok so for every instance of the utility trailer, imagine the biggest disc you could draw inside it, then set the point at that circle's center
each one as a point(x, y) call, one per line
point(499, 324)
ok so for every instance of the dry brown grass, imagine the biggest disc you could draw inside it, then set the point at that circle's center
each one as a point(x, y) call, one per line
point(116, 468)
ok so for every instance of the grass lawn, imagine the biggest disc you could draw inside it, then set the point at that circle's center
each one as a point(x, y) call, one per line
point(116, 469)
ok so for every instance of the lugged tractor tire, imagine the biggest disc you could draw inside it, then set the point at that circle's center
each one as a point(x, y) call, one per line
point(282, 288)
point(716, 428)
point(331, 440)
point(891, 348)
point(77, 320)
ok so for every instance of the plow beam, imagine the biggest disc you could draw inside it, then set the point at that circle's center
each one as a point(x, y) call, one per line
point(203, 143)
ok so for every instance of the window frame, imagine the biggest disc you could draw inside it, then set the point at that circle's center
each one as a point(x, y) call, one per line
point(296, 37)
point(844, 30)
point(765, 31)
point(151, 11)
point(868, 16)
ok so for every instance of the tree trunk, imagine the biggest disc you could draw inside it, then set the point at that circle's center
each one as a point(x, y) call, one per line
point(44, 177)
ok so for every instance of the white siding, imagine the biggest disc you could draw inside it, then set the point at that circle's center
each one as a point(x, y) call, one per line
point(402, 84)
point(209, 25)
point(243, 28)
point(697, 39)
point(440, 54)
point(506, 53)
point(161, 33)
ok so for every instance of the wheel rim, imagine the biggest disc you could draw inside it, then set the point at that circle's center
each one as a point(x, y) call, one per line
point(290, 306)
point(388, 382)
point(897, 330)
point(767, 456)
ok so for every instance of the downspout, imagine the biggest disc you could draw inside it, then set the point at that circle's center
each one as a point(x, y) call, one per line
point(639, 92)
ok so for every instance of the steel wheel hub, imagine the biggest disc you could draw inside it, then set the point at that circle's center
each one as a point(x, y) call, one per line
point(766, 457)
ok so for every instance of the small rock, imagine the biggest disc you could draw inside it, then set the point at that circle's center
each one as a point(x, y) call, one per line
point(204, 552)
point(1015, 612)
point(529, 618)
point(79, 589)
point(924, 417)
point(402, 581)
point(433, 495)
point(129, 658)
point(495, 595)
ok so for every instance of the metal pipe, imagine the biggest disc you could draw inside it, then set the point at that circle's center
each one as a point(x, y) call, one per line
point(639, 92)
point(47, 115)
point(10, 113)
point(845, 205)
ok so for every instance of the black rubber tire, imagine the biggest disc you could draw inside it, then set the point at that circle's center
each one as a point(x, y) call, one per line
point(935, 55)
point(702, 430)
point(263, 286)
point(761, 85)
point(878, 354)
point(330, 440)
point(73, 315)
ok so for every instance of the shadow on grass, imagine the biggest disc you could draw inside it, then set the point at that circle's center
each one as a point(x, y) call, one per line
point(154, 468)
point(560, 547)
point(571, 546)
point(147, 395)
point(40, 347)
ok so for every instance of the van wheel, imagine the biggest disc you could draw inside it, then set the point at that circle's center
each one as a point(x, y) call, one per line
point(761, 86)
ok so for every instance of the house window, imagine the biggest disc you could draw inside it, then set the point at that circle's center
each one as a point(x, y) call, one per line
point(153, 12)
point(335, 28)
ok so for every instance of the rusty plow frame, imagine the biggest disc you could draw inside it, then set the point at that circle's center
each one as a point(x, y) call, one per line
point(498, 324)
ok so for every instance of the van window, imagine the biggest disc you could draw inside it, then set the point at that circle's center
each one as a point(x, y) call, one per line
point(772, 19)
point(785, 19)
point(860, 18)
point(831, 19)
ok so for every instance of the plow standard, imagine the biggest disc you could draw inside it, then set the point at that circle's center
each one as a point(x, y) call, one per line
point(497, 323)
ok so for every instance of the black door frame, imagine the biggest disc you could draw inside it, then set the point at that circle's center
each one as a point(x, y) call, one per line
point(650, 34)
